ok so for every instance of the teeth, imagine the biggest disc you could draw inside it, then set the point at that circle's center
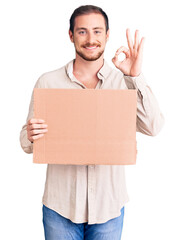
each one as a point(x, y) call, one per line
point(91, 47)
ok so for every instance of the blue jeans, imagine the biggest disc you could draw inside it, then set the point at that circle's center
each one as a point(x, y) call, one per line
point(57, 227)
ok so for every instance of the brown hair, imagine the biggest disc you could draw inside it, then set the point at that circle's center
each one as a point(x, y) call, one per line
point(87, 9)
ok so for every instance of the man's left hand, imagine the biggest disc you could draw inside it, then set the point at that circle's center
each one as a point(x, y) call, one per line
point(131, 65)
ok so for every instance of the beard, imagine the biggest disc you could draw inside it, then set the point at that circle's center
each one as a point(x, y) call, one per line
point(90, 58)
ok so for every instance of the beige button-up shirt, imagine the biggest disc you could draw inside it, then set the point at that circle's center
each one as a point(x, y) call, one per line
point(93, 193)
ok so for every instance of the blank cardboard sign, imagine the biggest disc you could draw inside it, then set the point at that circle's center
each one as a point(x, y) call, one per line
point(86, 126)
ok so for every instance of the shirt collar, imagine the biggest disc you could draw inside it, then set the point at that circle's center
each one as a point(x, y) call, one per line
point(102, 74)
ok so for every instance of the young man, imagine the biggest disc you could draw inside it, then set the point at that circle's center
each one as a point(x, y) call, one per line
point(87, 202)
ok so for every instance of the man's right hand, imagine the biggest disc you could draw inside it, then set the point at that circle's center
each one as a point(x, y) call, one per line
point(36, 129)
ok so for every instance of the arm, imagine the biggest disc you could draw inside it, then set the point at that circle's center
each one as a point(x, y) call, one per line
point(149, 118)
point(26, 145)
point(34, 128)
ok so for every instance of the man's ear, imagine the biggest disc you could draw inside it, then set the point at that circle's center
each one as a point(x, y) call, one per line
point(107, 35)
point(71, 35)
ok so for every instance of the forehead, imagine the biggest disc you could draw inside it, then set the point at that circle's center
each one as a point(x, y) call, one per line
point(91, 20)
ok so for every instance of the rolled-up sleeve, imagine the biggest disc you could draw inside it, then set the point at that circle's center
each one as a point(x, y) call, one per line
point(150, 119)
point(26, 145)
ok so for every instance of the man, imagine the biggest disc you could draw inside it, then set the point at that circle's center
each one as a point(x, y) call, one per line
point(87, 202)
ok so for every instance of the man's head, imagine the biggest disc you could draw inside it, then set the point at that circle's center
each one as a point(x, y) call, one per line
point(89, 31)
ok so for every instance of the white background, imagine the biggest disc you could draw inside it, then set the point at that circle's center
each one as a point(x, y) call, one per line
point(34, 39)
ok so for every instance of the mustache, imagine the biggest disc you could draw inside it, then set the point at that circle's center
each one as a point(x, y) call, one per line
point(92, 45)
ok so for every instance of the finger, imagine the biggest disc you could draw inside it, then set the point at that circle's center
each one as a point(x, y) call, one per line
point(37, 126)
point(123, 50)
point(36, 132)
point(116, 61)
point(36, 137)
point(136, 43)
point(141, 45)
point(35, 120)
point(129, 39)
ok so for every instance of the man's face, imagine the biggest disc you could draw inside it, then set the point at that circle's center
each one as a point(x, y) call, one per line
point(89, 36)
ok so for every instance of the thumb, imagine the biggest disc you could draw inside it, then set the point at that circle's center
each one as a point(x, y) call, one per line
point(115, 60)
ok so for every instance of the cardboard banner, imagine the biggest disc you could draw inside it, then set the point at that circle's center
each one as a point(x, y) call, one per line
point(86, 126)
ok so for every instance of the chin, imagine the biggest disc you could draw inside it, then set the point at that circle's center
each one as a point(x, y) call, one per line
point(92, 58)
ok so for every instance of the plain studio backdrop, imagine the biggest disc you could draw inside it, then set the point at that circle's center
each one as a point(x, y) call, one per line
point(34, 40)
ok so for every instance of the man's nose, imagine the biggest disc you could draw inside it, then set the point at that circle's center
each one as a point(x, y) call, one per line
point(90, 38)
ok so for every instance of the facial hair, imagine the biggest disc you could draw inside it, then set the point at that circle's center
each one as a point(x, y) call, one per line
point(92, 58)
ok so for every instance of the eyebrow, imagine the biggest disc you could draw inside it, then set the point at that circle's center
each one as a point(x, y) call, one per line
point(82, 28)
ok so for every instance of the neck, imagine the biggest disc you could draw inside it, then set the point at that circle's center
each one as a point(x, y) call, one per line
point(87, 68)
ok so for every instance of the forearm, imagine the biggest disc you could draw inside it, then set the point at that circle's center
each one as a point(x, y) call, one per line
point(150, 120)
point(26, 145)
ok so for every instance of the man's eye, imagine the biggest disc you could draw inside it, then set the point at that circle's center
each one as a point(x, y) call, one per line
point(97, 32)
point(82, 32)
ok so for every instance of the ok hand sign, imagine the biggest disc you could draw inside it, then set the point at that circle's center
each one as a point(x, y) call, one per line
point(132, 63)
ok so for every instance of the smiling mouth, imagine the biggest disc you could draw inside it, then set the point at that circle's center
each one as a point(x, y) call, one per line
point(91, 47)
